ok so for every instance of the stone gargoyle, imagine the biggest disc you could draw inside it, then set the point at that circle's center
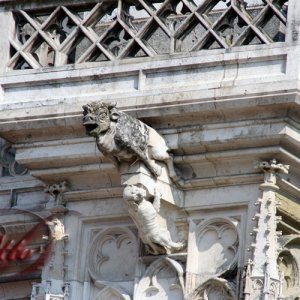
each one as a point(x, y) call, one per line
point(123, 138)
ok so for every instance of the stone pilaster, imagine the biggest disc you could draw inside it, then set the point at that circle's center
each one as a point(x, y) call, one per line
point(53, 285)
point(262, 271)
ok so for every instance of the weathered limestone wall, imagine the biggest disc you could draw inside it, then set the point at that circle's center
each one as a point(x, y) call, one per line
point(218, 80)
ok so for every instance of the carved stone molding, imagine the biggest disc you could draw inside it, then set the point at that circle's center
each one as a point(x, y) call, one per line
point(107, 253)
point(257, 288)
point(162, 280)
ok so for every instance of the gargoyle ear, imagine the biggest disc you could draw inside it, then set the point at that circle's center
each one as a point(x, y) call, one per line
point(111, 105)
point(114, 114)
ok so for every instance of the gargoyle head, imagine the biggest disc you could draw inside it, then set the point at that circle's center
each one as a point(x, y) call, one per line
point(97, 117)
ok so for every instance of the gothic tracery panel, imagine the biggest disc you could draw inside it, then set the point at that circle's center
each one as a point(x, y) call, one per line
point(109, 293)
point(213, 252)
point(162, 280)
point(288, 267)
point(8, 164)
point(217, 243)
point(120, 29)
point(214, 289)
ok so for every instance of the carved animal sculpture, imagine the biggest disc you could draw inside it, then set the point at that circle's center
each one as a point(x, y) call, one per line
point(145, 216)
point(123, 138)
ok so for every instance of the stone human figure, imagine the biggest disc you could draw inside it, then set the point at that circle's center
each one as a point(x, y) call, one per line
point(145, 215)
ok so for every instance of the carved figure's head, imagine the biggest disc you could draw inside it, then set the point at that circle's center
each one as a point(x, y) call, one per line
point(97, 117)
point(135, 193)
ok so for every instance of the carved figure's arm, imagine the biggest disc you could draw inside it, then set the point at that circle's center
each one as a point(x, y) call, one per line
point(156, 201)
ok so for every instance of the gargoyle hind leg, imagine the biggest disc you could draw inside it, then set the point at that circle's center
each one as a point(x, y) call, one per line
point(152, 167)
point(170, 164)
point(160, 153)
point(167, 158)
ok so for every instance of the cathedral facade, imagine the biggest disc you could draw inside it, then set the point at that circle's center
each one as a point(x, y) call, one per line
point(149, 150)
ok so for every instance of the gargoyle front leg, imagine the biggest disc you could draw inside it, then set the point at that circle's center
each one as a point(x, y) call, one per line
point(113, 159)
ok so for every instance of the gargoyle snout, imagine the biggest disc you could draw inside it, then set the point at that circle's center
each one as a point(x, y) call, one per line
point(87, 119)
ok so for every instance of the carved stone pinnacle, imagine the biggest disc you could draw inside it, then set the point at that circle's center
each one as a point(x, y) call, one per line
point(271, 169)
